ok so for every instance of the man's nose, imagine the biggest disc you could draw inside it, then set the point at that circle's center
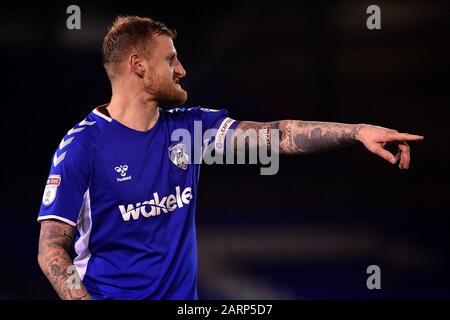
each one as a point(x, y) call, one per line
point(180, 70)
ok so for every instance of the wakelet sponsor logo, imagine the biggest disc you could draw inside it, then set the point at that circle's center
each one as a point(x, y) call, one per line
point(153, 207)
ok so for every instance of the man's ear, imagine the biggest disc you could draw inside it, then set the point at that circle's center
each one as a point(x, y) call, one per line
point(136, 65)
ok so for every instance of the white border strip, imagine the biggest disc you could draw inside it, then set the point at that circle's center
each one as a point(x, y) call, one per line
point(98, 113)
point(52, 216)
point(82, 244)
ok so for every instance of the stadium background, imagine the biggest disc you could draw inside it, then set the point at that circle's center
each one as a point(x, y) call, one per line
point(308, 232)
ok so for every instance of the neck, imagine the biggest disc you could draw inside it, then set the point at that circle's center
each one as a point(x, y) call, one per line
point(133, 110)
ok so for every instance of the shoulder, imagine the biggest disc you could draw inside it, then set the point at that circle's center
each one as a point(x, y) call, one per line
point(179, 112)
point(195, 113)
point(87, 130)
point(82, 137)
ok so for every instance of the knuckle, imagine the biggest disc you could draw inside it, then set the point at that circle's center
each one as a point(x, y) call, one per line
point(375, 149)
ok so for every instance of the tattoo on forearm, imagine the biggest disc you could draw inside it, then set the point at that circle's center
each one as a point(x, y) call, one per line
point(254, 134)
point(54, 260)
point(289, 141)
point(302, 137)
point(311, 136)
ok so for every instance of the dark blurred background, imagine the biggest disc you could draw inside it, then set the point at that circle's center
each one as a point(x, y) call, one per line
point(309, 232)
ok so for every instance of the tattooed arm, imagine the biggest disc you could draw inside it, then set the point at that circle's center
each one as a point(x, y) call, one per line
point(55, 241)
point(303, 137)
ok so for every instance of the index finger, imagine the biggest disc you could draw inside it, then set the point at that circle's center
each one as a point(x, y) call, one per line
point(399, 136)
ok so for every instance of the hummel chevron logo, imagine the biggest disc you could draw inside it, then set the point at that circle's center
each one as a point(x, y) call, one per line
point(75, 130)
point(57, 159)
point(86, 123)
point(64, 143)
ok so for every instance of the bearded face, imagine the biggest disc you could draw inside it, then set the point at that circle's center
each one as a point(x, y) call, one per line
point(163, 73)
point(165, 88)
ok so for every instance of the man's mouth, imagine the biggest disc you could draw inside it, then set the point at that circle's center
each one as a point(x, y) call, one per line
point(177, 83)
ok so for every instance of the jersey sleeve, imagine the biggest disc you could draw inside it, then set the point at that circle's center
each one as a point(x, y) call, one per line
point(219, 124)
point(67, 183)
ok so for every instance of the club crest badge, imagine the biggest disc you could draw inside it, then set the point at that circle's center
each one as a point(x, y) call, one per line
point(51, 188)
point(178, 154)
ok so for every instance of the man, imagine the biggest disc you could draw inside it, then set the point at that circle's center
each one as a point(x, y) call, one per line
point(121, 187)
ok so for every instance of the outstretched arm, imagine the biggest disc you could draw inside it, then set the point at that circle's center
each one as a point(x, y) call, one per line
point(54, 244)
point(303, 137)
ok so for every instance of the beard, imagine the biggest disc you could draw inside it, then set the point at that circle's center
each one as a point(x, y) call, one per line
point(165, 92)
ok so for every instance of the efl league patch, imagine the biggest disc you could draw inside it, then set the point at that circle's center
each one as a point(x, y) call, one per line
point(178, 154)
point(49, 196)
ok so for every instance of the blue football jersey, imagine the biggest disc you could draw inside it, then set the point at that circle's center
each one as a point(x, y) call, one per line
point(131, 195)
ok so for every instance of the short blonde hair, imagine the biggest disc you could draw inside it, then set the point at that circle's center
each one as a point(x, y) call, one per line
point(128, 33)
